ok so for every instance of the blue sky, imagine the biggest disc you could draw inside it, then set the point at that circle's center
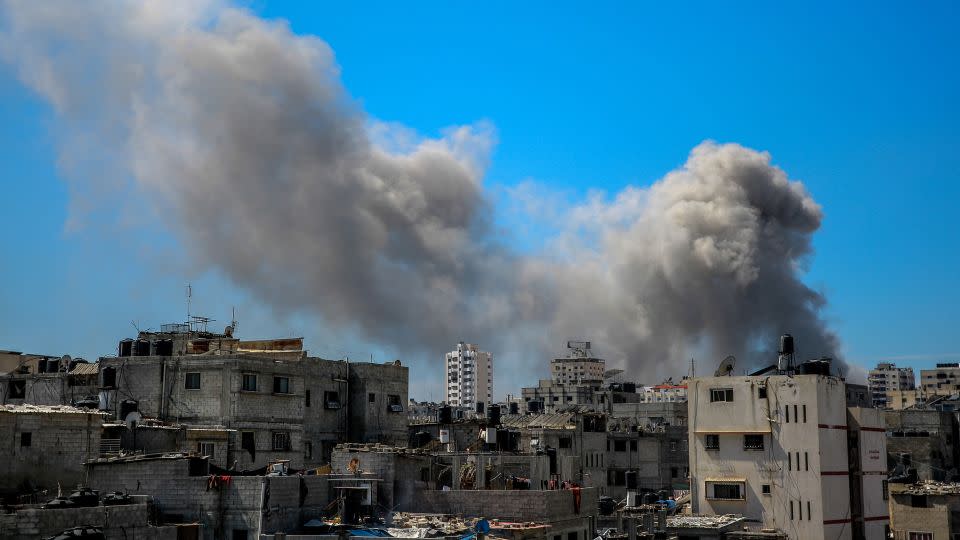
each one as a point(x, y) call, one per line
point(859, 102)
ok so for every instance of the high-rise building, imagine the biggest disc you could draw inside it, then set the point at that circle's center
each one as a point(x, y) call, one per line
point(469, 373)
point(886, 378)
point(786, 451)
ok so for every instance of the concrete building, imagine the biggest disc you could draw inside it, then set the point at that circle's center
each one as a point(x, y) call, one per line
point(898, 400)
point(942, 381)
point(276, 402)
point(925, 511)
point(663, 392)
point(887, 378)
point(927, 439)
point(579, 365)
point(469, 376)
point(46, 446)
point(47, 380)
point(787, 453)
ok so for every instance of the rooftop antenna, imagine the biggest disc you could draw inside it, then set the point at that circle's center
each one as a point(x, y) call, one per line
point(693, 368)
point(189, 296)
point(726, 367)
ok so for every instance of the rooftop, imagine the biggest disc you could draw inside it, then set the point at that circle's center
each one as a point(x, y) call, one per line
point(933, 488)
point(703, 522)
point(45, 409)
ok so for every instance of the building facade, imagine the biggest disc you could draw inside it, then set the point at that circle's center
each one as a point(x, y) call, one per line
point(469, 376)
point(887, 378)
point(787, 453)
point(942, 381)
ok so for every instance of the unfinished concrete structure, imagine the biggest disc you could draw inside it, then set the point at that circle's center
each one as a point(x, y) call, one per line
point(47, 380)
point(924, 511)
point(926, 439)
point(46, 446)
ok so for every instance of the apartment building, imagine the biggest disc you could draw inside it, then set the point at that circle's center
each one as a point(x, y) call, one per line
point(942, 381)
point(578, 367)
point(469, 376)
point(787, 453)
point(887, 378)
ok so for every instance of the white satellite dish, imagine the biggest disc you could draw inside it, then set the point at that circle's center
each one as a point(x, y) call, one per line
point(726, 367)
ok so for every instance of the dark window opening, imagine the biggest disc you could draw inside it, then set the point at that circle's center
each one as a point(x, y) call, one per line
point(281, 385)
point(762, 392)
point(26, 439)
point(674, 472)
point(791, 510)
point(248, 382)
point(331, 399)
point(17, 389)
point(572, 535)
point(806, 462)
point(306, 398)
point(248, 443)
point(765, 489)
point(786, 410)
point(393, 403)
point(752, 442)
point(712, 442)
point(371, 397)
point(804, 413)
point(109, 377)
point(566, 442)
point(633, 445)
point(619, 446)
point(191, 381)
point(239, 534)
point(727, 491)
point(918, 501)
point(281, 440)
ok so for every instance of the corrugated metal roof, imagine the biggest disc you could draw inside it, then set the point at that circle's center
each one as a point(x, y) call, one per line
point(84, 369)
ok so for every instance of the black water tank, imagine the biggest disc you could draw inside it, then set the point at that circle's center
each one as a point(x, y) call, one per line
point(533, 406)
point(421, 438)
point(649, 498)
point(125, 348)
point(514, 407)
point(786, 344)
point(630, 388)
point(446, 415)
point(141, 347)
point(631, 478)
point(493, 415)
point(607, 506)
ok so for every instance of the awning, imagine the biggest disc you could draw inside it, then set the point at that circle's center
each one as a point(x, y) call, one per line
point(725, 480)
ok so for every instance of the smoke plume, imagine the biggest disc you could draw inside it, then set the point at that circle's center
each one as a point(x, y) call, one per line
point(240, 137)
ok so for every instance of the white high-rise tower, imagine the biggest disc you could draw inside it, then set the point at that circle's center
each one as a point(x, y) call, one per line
point(469, 376)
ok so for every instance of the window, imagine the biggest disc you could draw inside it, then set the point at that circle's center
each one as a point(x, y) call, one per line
point(920, 536)
point(791, 510)
point(26, 438)
point(281, 440)
point(752, 442)
point(566, 442)
point(765, 489)
point(239, 534)
point(732, 491)
point(17, 389)
point(205, 448)
point(789, 461)
point(191, 381)
point(786, 410)
point(796, 417)
point(721, 394)
point(673, 446)
point(804, 413)
point(806, 462)
point(886, 491)
point(918, 501)
point(281, 385)
point(620, 446)
point(572, 535)
point(633, 445)
point(674, 472)
point(371, 398)
point(808, 510)
point(331, 400)
point(306, 398)
point(248, 443)
point(249, 382)
point(762, 392)
point(712, 442)
point(393, 403)
point(109, 377)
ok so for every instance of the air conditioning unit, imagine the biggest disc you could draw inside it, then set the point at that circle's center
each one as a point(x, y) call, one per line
point(332, 405)
point(395, 408)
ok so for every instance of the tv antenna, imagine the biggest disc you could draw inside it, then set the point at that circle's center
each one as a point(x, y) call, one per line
point(726, 367)
point(189, 296)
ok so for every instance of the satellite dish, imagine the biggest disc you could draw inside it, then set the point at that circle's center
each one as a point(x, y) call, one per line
point(726, 367)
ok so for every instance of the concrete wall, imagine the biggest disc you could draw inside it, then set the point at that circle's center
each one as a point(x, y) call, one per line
point(241, 505)
point(124, 521)
point(59, 443)
point(936, 517)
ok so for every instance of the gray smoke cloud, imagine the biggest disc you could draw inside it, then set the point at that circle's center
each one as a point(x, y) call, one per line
point(240, 137)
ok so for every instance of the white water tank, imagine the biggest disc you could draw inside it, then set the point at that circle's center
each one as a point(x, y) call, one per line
point(491, 435)
point(631, 499)
point(444, 436)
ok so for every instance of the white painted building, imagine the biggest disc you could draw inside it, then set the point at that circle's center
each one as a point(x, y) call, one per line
point(887, 378)
point(666, 392)
point(775, 450)
point(469, 376)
